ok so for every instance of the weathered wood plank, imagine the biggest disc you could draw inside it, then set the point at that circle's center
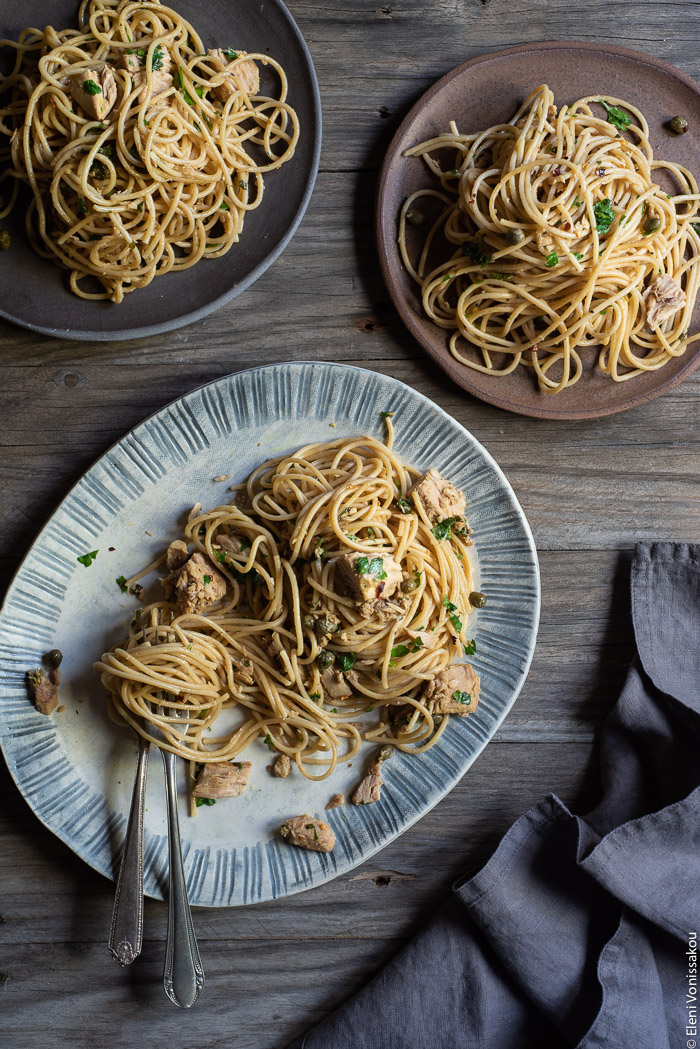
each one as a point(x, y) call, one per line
point(258, 995)
point(603, 484)
point(74, 903)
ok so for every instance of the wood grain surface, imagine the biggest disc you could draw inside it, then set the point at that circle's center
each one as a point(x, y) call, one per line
point(590, 490)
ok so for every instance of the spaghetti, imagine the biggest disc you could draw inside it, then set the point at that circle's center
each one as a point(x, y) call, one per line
point(287, 646)
point(143, 151)
point(559, 241)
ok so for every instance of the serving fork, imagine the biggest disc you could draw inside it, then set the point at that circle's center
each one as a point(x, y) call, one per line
point(183, 975)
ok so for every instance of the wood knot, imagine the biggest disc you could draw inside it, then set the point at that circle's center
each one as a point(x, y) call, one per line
point(69, 379)
point(383, 112)
point(369, 325)
point(387, 11)
point(381, 880)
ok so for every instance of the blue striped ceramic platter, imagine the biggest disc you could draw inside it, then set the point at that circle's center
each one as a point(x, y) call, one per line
point(76, 768)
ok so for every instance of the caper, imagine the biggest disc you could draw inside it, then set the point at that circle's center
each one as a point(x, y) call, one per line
point(438, 719)
point(5, 240)
point(54, 657)
point(409, 585)
point(385, 753)
point(477, 599)
point(651, 225)
point(415, 216)
point(308, 621)
point(327, 624)
point(679, 125)
point(515, 237)
point(325, 658)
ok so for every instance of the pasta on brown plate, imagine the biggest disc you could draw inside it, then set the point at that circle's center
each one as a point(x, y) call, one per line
point(555, 236)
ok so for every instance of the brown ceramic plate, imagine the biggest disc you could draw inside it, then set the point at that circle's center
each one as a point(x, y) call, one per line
point(35, 292)
point(487, 90)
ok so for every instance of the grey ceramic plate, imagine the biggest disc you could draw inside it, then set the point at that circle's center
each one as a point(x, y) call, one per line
point(489, 89)
point(36, 294)
point(76, 768)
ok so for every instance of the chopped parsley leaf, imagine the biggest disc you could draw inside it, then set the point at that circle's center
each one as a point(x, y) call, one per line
point(577, 255)
point(604, 215)
point(231, 54)
point(696, 227)
point(470, 648)
point(87, 559)
point(387, 415)
point(619, 118)
point(476, 252)
point(223, 206)
point(205, 801)
point(82, 206)
point(185, 94)
point(206, 579)
point(453, 614)
point(92, 88)
point(443, 529)
point(577, 203)
point(157, 60)
point(462, 697)
point(121, 583)
point(551, 260)
point(268, 741)
point(399, 650)
point(404, 506)
point(346, 660)
point(242, 183)
point(376, 568)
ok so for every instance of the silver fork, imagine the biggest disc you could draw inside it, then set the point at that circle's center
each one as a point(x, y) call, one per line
point(183, 975)
point(126, 933)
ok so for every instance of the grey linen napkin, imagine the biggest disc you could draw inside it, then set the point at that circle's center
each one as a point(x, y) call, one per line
point(581, 930)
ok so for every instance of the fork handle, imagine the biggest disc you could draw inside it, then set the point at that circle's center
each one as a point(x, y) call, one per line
point(126, 934)
point(183, 976)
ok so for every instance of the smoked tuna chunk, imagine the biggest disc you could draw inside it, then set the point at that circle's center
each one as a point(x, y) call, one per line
point(198, 585)
point(244, 74)
point(44, 690)
point(95, 91)
point(367, 579)
point(454, 690)
point(223, 779)
point(438, 497)
point(308, 833)
point(662, 299)
point(370, 788)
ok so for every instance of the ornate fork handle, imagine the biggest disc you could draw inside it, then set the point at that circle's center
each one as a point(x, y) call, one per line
point(183, 976)
point(126, 934)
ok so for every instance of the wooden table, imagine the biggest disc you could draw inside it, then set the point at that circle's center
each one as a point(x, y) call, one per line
point(590, 490)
